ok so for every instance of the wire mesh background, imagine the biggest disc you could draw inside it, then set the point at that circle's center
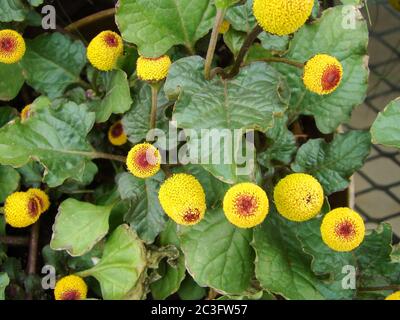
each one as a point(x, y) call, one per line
point(377, 184)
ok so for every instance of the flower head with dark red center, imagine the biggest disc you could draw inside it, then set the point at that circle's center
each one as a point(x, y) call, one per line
point(298, 197)
point(322, 74)
point(143, 160)
point(246, 205)
point(183, 199)
point(153, 69)
point(104, 50)
point(116, 134)
point(12, 46)
point(282, 17)
point(342, 229)
point(70, 288)
point(41, 197)
point(21, 209)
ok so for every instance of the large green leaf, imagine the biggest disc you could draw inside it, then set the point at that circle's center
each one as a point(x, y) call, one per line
point(155, 27)
point(136, 122)
point(4, 281)
point(171, 273)
point(348, 43)
point(250, 101)
point(281, 265)
point(386, 129)
point(13, 10)
point(117, 97)
point(218, 254)
point(190, 290)
point(79, 226)
point(11, 82)
point(145, 214)
point(241, 17)
point(9, 181)
point(122, 264)
point(52, 62)
point(333, 163)
point(54, 136)
point(7, 114)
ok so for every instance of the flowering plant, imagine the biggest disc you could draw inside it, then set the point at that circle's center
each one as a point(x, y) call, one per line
point(195, 151)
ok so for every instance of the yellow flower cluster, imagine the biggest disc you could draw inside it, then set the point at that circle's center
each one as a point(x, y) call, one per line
point(393, 296)
point(153, 69)
point(183, 199)
point(246, 205)
point(224, 27)
point(282, 17)
point(21, 209)
point(104, 50)
point(342, 229)
point(26, 112)
point(70, 287)
point(116, 134)
point(12, 46)
point(143, 160)
point(322, 74)
point(298, 197)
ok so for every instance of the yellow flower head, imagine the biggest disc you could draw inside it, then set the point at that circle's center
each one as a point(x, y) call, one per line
point(70, 288)
point(116, 134)
point(322, 74)
point(104, 50)
point(41, 197)
point(153, 69)
point(246, 205)
point(394, 296)
point(183, 199)
point(21, 209)
point(26, 112)
point(395, 4)
point(224, 28)
point(298, 197)
point(342, 229)
point(282, 17)
point(143, 160)
point(12, 46)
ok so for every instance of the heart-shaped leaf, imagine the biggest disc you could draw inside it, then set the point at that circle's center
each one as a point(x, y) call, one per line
point(11, 82)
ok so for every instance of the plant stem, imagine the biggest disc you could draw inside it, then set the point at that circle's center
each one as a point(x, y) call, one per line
point(293, 63)
point(252, 36)
point(154, 97)
point(33, 248)
point(108, 156)
point(89, 19)
point(85, 85)
point(14, 241)
point(213, 42)
point(383, 288)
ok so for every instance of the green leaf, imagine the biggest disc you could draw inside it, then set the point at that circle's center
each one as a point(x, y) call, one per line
point(171, 274)
point(9, 181)
point(79, 226)
point(12, 81)
point(348, 43)
point(234, 40)
point(52, 62)
point(145, 215)
point(273, 42)
point(7, 114)
point(122, 264)
point(333, 163)
point(250, 101)
point(385, 129)
point(155, 28)
point(222, 4)
point(190, 290)
point(281, 145)
point(136, 122)
point(281, 265)
point(12, 10)
point(218, 255)
point(4, 281)
point(35, 3)
point(117, 97)
point(241, 17)
point(54, 136)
